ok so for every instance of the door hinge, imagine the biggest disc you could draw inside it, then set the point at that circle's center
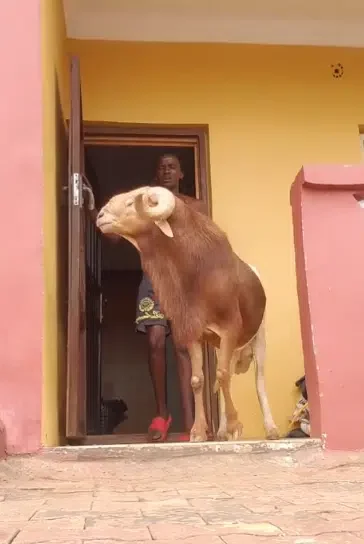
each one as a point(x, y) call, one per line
point(76, 187)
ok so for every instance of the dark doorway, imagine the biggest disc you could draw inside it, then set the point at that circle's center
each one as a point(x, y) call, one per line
point(124, 382)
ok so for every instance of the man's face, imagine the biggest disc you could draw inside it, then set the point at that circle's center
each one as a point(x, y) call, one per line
point(169, 173)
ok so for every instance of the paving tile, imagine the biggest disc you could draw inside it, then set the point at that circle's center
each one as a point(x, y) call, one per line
point(185, 518)
point(301, 499)
point(264, 503)
point(157, 495)
point(153, 487)
point(128, 520)
point(64, 515)
point(79, 503)
point(56, 523)
point(321, 508)
point(43, 536)
point(333, 538)
point(250, 528)
point(296, 494)
point(161, 531)
point(343, 497)
point(25, 495)
point(311, 524)
point(19, 510)
point(341, 515)
point(8, 531)
point(230, 505)
point(171, 509)
point(203, 492)
point(119, 496)
point(335, 487)
point(47, 536)
point(56, 485)
point(353, 506)
point(114, 506)
point(175, 502)
point(113, 541)
point(174, 531)
point(126, 534)
point(202, 503)
point(235, 513)
point(211, 539)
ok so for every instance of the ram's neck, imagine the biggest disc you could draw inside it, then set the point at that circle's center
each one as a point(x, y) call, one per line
point(133, 242)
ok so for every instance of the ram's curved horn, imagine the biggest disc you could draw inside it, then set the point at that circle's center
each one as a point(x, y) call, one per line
point(158, 203)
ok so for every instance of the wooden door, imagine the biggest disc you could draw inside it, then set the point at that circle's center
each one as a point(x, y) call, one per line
point(84, 277)
point(76, 341)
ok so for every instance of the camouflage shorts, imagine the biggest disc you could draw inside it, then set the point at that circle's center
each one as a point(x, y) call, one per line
point(148, 310)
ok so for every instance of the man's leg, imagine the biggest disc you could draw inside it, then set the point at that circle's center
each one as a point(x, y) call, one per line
point(157, 367)
point(151, 321)
point(185, 374)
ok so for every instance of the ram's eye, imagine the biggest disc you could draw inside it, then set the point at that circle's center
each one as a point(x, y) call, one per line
point(129, 202)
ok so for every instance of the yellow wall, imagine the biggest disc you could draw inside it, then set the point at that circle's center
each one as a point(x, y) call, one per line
point(269, 110)
point(55, 99)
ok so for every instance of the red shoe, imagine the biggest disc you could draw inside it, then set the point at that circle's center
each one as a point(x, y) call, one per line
point(184, 437)
point(158, 429)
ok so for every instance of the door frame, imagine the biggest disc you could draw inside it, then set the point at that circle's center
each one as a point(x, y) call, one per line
point(110, 133)
point(76, 329)
point(101, 132)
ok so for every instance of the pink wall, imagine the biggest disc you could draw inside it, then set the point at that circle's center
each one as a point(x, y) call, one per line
point(329, 243)
point(21, 223)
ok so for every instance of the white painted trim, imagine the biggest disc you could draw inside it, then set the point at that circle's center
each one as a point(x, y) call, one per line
point(132, 25)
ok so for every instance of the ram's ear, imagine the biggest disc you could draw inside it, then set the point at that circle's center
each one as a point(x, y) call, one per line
point(165, 227)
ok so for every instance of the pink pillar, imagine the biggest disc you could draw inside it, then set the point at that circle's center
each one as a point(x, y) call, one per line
point(21, 224)
point(329, 243)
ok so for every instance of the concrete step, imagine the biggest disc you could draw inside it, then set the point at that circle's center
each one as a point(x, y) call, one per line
point(177, 449)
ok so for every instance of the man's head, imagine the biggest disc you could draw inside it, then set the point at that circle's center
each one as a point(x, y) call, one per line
point(169, 172)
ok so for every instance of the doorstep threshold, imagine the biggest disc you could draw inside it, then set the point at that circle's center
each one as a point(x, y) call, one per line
point(189, 448)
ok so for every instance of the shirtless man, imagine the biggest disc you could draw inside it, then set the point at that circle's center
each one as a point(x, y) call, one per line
point(151, 321)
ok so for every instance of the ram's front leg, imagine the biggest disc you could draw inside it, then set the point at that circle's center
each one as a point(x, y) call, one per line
point(222, 433)
point(198, 431)
point(230, 426)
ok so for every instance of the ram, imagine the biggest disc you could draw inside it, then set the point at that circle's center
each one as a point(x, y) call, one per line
point(205, 290)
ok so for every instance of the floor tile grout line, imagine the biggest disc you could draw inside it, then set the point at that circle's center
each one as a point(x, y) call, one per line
point(150, 532)
point(13, 537)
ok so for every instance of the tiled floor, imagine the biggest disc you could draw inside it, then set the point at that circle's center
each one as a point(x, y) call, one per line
point(196, 496)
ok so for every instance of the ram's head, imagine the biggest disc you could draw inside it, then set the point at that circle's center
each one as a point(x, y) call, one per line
point(134, 213)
